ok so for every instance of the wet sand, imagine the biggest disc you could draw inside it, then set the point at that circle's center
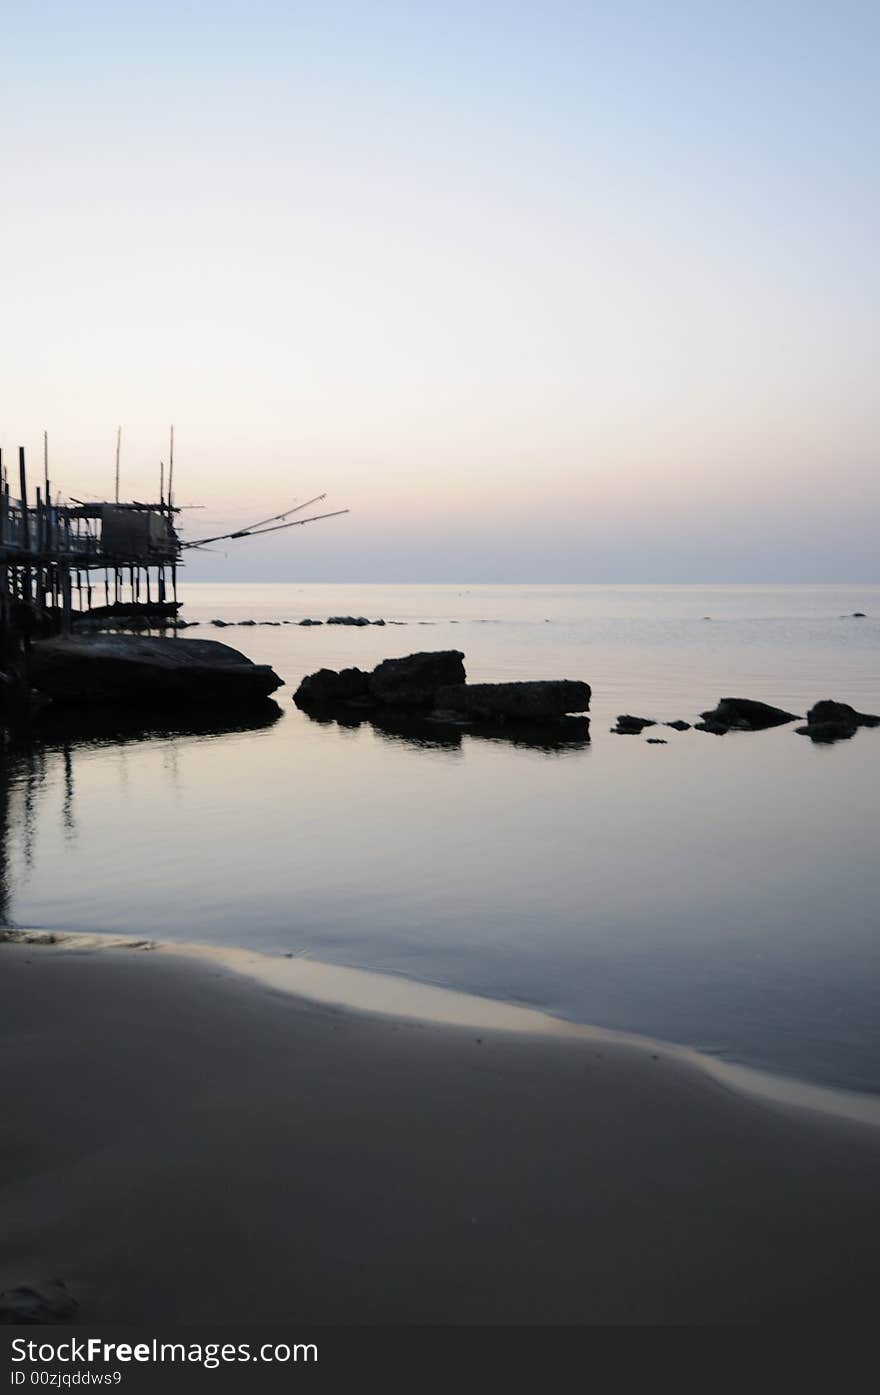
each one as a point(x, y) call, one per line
point(185, 1142)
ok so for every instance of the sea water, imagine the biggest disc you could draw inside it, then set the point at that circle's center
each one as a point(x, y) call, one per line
point(716, 891)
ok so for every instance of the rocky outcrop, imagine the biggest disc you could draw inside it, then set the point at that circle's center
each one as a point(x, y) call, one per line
point(326, 687)
point(415, 680)
point(134, 671)
point(829, 721)
point(524, 702)
point(434, 682)
point(631, 726)
point(743, 714)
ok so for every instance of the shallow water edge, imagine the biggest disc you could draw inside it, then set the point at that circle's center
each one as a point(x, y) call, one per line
point(363, 991)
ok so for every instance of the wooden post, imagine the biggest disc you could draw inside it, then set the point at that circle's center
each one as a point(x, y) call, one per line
point(25, 524)
point(171, 473)
point(22, 480)
point(66, 600)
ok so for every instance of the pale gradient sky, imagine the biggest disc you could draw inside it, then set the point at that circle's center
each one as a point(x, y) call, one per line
point(556, 292)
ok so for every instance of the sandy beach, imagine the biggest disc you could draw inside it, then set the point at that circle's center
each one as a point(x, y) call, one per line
point(184, 1142)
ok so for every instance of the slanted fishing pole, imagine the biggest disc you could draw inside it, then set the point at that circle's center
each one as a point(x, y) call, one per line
point(261, 532)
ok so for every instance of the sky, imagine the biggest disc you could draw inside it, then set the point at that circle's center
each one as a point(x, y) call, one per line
point(539, 292)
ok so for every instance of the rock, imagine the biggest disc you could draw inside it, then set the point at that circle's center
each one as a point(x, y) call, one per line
point(829, 721)
point(415, 680)
point(247, 622)
point(326, 687)
point(716, 728)
point(656, 741)
point(858, 615)
point(46, 1302)
point(524, 702)
point(631, 726)
point(745, 714)
point(221, 624)
point(828, 711)
point(378, 622)
point(678, 726)
point(347, 620)
point(311, 622)
point(139, 671)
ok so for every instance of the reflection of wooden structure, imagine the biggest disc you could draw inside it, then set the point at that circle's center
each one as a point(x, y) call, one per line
point(53, 555)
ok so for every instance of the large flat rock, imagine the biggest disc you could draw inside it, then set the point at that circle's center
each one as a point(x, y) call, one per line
point(526, 702)
point(136, 670)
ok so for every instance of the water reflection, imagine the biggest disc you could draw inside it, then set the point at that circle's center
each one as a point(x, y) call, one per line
point(565, 736)
point(103, 727)
point(27, 755)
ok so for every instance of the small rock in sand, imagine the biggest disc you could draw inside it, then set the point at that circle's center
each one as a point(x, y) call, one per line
point(44, 1302)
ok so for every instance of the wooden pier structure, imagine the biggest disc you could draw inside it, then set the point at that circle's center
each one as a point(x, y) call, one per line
point(64, 562)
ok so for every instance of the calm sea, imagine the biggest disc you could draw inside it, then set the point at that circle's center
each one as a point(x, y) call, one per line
point(721, 892)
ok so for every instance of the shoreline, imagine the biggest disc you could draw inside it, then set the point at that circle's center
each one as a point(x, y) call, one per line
point(185, 1143)
point(388, 995)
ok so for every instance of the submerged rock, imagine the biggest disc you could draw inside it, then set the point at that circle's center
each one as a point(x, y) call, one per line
point(137, 671)
point(632, 726)
point(829, 721)
point(744, 714)
point(415, 680)
point(524, 702)
point(347, 620)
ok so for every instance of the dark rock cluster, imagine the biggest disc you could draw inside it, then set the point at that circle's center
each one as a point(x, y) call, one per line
point(743, 714)
point(436, 682)
point(632, 726)
point(829, 721)
point(352, 620)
